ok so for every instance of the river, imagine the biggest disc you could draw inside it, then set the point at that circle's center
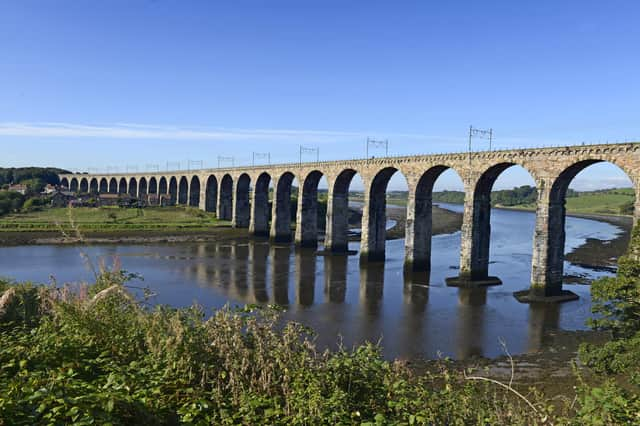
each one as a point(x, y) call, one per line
point(417, 317)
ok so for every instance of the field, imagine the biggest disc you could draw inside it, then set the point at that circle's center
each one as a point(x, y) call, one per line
point(617, 201)
point(609, 202)
point(105, 219)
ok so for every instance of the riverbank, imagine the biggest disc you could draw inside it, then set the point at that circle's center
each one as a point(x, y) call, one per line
point(551, 368)
point(183, 225)
point(160, 225)
point(603, 254)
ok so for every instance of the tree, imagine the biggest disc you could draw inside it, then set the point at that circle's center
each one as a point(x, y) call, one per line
point(616, 308)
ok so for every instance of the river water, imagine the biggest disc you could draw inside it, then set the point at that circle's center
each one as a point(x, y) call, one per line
point(413, 317)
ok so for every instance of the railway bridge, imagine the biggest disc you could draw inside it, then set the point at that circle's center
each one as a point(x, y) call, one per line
point(241, 195)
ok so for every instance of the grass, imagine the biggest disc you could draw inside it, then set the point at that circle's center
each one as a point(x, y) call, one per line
point(596, 202)
point(105, 219)
point(606, 202)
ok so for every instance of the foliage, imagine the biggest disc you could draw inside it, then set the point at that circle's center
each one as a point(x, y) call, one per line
point(627, 208)
point(512, 197)
point(98, 355)
point(10, 201)
point(47, 175)
point(453, 197)
point(616, 305)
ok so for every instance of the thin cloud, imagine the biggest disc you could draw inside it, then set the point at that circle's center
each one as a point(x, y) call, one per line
point(158, 132)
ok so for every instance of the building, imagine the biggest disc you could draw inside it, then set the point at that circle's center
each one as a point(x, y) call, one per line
point(22, 189)
point(49, 189)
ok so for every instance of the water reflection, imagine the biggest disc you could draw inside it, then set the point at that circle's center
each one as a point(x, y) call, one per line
point(542, 318)
point(470, 322)
point(335, 278)
point(259, 254)
point(416, 291)
point(305, 276)
point(415, 314)
point(371, 287)
point(239, 275)
point(280, 274)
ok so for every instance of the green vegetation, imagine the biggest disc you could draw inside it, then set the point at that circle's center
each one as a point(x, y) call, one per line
point(34, 178)
point(618, 201)
point(616, 305)
point(105, 219)
point(616, 308)
point(26, 175)
point(10, 201)
point(453, 197)
point(98, 355)
point(608, 201)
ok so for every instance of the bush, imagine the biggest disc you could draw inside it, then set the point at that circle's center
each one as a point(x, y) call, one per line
point(98, 355)
point(616, 305)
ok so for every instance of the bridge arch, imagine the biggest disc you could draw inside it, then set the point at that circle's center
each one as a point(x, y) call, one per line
point(183, 191)
point(307, 210)
point(260, 206)
point(419, 230)
point(194, 192)
point(133, 187)
point(122, 186)
point(153, 185)
point(74, 185)
point(173, 190)
point(225, 198)
point(281, 216)
point(64, 183)
point(374, 216)
point(94, 186)
point(84, 185)
point(113, 186)
point(547, 270)
point(104, 186)
point(241, 205)
point(337, 234)
point(211, 194)
point(476, 228)
point(142, 187)
point(163, 186)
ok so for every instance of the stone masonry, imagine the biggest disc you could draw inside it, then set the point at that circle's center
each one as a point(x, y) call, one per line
point(241, 195)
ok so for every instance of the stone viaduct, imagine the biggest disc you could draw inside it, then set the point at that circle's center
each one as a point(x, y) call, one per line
point(241, 195)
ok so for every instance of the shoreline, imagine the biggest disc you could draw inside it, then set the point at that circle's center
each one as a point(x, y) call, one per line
point(594, 254)
point(445, 222)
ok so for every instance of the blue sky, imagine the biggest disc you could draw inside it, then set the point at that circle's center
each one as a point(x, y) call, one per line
point(98, 84)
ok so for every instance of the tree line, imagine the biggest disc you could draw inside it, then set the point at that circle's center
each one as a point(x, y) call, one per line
point(525, 194)
point(34, 178)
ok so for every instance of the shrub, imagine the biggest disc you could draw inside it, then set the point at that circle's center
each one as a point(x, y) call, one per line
point(99, 355)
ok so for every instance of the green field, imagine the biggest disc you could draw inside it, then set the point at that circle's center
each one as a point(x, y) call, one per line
point(610, 202)
point(617, 201)
point(105, 219)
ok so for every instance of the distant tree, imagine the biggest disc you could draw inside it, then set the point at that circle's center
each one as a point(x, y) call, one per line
point(10, 201)
point(49, 175)
point(627, 208)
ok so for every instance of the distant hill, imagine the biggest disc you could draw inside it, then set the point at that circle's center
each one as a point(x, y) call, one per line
point(48, 175)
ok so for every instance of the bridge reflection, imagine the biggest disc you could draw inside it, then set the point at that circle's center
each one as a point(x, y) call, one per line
point(351, 296)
